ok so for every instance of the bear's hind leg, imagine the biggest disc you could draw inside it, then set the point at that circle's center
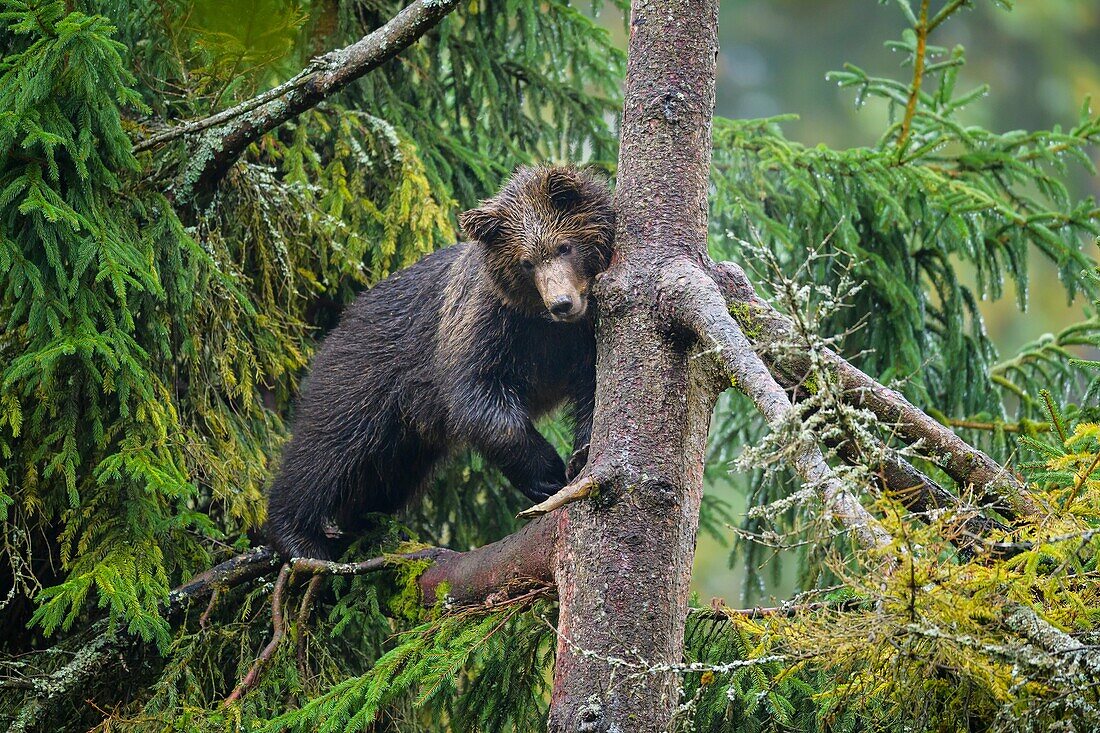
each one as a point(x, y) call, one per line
point(389, 484)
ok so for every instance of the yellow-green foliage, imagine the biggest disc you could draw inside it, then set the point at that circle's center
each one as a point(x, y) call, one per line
point(939, 643)
point(150, 351)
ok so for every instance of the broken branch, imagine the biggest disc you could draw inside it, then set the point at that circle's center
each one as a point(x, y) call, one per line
point(580, 487)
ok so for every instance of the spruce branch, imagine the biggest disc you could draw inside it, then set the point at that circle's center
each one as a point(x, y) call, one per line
point(233, 572)
point(1082, 479)
point(501, 572)
point(302, 626)
point(1078, 658)
point(516, 563)
point(695, 303)
point(921, 30)
point(786, 609)
point(902, 481)
point(95, 658)
point(945, 13)
point(517, 566)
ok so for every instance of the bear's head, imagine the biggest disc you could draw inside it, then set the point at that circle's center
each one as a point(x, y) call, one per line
point(545, 236)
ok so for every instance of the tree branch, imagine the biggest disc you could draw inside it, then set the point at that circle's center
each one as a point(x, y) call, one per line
point(515, 564)
point(921, 31)
point(969, 466)
point(229, 574)
point(1076, 657)
point(918, 493)
point(71, 679)
point(503, 570)
point(696, 303)
point(579, 488)
point(520, 562)
point(279, 626)
point(786, 609)
point(242, 125)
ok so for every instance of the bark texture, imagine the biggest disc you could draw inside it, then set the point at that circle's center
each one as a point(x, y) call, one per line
point(625, 557)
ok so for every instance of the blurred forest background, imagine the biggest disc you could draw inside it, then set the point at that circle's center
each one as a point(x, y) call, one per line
point(1040, 61)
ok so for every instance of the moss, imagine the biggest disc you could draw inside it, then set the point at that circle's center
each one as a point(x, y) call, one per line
point(743, 313)
point(406, 601)
point(443, 599)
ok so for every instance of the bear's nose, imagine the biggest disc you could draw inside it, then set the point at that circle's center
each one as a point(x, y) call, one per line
point(563, 306)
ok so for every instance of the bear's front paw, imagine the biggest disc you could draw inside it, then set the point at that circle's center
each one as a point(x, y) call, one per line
point(541, 490)
point(577, 462)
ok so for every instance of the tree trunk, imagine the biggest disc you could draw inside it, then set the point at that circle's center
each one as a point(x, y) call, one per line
point(624, 559)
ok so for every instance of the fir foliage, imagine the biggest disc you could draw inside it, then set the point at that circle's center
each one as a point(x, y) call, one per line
point(904, 218)
point(932, 194)
point(1005, 644)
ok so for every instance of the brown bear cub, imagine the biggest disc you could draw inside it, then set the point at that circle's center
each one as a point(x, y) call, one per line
point(465, 348)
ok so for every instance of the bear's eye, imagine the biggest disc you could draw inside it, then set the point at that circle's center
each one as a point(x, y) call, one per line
point(527, 265)
point(565, 249)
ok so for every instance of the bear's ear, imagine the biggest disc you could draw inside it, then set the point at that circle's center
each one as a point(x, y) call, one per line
point(482, 224)
point(563, 187)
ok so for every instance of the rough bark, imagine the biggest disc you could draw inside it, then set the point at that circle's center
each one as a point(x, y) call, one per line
point(624, 559)
point(519, 563)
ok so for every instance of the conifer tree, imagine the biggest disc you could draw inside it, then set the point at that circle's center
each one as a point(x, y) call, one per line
point(189, 193)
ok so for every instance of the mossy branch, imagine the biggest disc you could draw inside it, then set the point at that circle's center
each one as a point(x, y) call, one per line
point(696, 304)
point(967, 465)
point(230, 132)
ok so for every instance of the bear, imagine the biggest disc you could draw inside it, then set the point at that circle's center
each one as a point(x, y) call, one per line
point(465, 348)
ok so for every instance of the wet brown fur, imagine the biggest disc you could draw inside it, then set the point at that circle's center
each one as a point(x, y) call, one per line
point(461, 349)
point(537, 211)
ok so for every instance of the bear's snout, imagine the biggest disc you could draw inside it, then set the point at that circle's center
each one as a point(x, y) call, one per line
point(562, 290)
point(565, 308)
